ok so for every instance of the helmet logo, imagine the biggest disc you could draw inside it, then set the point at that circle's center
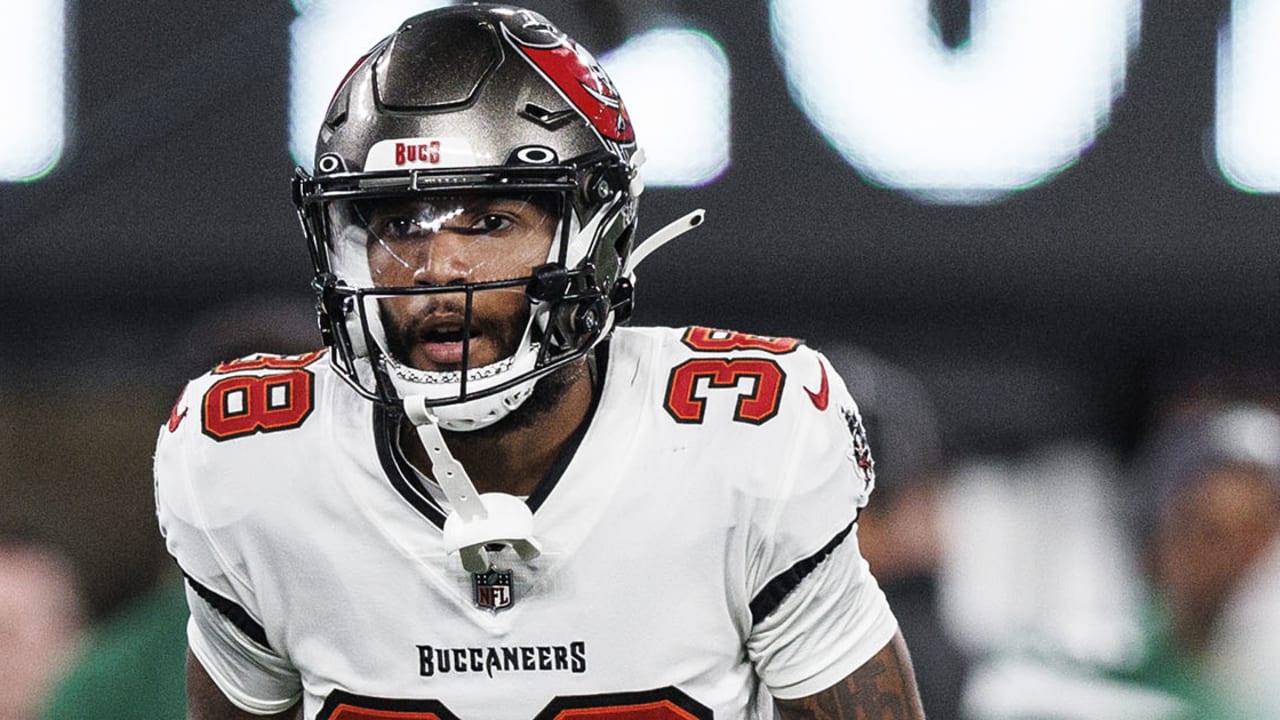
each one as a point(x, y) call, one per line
point(582, 81)
point(419, 152)
point(536, 155)
point(330, 163)
point(414, 153)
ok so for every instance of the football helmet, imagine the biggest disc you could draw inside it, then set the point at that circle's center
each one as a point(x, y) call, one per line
point(462, 108)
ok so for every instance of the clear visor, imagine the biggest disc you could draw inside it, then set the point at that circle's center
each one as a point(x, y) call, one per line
point(443, 277)
point(438, 240)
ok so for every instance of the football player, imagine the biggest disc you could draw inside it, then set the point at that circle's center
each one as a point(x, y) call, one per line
point(484, 498)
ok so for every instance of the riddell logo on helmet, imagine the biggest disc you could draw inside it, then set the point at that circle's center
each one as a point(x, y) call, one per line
point(408, 153)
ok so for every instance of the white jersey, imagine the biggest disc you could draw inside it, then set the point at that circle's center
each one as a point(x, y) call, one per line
point(698, 545)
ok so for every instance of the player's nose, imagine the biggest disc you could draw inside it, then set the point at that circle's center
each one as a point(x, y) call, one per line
point(443, 260)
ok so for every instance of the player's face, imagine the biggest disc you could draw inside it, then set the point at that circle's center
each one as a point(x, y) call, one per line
point(448, 241)
point(1209, 537)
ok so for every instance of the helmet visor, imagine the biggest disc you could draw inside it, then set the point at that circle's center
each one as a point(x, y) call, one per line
point(442, 278)
point(426, 240)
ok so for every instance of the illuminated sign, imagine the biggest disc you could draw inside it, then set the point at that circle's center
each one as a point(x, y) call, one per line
point(1011, 108)
point(1016, 105)
point(32, 59)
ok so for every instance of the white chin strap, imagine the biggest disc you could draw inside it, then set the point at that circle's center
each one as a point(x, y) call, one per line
point(669, 232)
point(475, 413)
point(475, 520)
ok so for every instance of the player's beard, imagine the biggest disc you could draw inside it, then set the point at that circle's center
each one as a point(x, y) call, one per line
point(403, 333)
point(548, 391)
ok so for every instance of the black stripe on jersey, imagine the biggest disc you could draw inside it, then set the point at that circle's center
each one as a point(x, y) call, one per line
point(231, 611)
point(768, 599)
point(386, 429)
point(571, 445)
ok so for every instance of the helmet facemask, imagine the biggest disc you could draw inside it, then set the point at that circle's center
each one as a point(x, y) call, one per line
point(462, 296)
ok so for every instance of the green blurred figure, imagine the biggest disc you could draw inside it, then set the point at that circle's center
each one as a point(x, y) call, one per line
point(132, 668)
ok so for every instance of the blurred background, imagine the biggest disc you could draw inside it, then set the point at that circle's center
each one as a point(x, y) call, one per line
point(1038, 237)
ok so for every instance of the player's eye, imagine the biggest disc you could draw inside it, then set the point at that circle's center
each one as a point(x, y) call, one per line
point(490, 222)
point(397, 228)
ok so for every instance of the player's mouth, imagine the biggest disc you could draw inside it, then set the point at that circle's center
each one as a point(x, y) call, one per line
point(442, 345)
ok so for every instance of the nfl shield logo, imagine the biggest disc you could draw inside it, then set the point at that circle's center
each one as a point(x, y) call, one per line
point(493, 589)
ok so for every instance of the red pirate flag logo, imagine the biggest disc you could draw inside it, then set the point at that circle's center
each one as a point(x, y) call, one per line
point(575, 72)
point(492, 589)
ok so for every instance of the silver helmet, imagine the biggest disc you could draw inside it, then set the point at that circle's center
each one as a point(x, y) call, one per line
point(458, 109)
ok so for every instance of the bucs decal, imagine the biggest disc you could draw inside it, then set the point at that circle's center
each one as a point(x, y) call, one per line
point(576, 73)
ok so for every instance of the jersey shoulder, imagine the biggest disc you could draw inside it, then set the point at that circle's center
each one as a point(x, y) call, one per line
point(768, 400)
point(251, 397)
point(239, 436)
point(777, 381)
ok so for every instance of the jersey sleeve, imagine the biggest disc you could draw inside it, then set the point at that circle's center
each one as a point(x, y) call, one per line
point(225, 631)
point(817, 612)
point(253, 678)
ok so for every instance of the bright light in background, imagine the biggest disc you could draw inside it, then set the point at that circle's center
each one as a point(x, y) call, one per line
point(1248, 117)
point(675, 83)
point(32, 72)
point(1015, 106)
point(325, 40)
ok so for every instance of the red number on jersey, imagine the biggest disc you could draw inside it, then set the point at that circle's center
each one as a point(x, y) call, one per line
point(710, 340)
point(269, 362)
point(246, 404)
point(755, 406)
point(346, 712)
point(665, 704)
point(657, 710)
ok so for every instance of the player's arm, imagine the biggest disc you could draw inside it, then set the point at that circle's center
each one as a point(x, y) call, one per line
point(206, 702)
point(883, 687)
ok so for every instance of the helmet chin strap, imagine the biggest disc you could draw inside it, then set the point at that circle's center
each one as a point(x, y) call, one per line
point(476, 520)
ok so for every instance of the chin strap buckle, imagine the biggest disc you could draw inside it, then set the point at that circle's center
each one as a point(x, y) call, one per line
point(476, 520)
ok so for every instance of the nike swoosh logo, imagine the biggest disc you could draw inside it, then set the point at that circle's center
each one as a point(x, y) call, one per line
point(821, 397)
